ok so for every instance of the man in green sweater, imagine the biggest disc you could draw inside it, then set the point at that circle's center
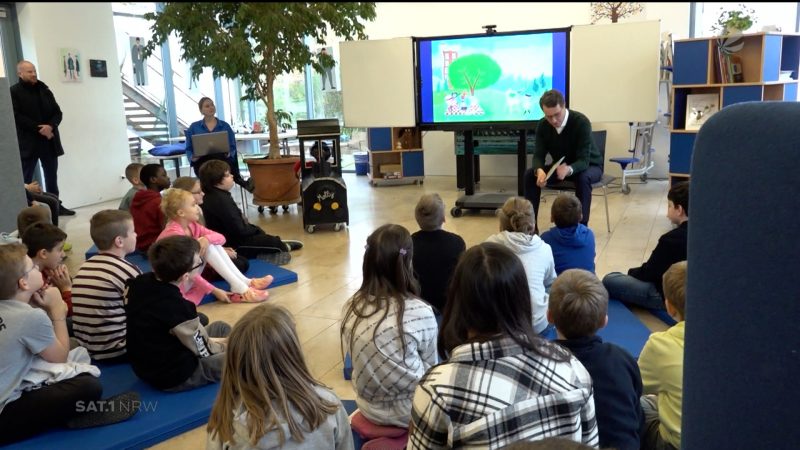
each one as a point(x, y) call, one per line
point(563, 133)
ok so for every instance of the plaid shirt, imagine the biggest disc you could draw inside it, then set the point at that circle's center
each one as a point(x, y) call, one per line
point(491, 394)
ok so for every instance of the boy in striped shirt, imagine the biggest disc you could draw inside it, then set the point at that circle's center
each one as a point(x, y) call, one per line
point(97, 289)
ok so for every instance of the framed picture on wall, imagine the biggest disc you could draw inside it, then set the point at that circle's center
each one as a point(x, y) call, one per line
point(69, 61)
point(699, 108)
point(97, 68)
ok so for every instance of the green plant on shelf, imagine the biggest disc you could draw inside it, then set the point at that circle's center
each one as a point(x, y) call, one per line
point(734, 21)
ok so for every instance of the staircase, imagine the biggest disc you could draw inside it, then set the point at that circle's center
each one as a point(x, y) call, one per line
point(146, 117)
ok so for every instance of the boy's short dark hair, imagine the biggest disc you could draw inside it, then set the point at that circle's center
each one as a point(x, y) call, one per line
point(429, 212)
point(132, 171)
point(172, 257)
point(149, 171)
point(578, 303)
point(674, 282)
point(551, 99)
point(42, 236)
point(566, 211)
point(212, 172)
point(29, 216)
point(679, 196)
point(106, 225)
point(12, 268)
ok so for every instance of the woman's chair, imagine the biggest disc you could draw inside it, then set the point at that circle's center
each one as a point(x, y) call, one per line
point(569, 186)
point(641, 160)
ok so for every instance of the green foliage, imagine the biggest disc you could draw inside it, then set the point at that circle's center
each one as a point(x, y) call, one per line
point(475, 71)
point(256, 42)
point(740, 19)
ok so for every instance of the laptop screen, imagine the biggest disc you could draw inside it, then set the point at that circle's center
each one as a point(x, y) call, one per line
point(210, 143)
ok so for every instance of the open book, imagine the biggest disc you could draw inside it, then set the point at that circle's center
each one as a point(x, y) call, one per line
point(553, 168)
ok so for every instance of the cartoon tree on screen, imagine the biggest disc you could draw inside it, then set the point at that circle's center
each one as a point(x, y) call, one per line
point(473, 72)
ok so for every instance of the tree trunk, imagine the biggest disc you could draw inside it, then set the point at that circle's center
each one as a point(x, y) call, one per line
point(272, 122)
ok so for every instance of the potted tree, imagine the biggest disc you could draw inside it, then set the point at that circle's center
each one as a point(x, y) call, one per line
point(257, 42)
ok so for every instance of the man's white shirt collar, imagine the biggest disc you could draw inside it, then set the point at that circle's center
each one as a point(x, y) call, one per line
point(564, 123)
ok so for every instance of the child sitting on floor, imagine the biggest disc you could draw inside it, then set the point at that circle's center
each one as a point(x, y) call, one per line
point(148, 220)
point(389, 332)
point(132, 174)
point(167, 346)
point(181, 210)
point(45, 244)
point(98, 287)
point(517, 225)
point(290, 409)
point(33, 342)
point(571, 241)
point(578, 308)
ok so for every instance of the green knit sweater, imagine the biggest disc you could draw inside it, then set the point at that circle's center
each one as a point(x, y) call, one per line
point(575, 143)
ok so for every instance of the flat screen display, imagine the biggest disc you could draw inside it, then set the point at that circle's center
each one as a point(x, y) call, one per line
point(490, 78)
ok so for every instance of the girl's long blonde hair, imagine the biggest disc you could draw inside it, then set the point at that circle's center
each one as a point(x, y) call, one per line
point(388, 280)
point(265, 374)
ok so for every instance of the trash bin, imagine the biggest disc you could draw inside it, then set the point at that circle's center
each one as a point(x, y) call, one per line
point(361, 160)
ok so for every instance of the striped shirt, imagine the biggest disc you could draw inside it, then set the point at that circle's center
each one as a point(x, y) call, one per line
point(98, 318)
point(491, 394)
point(383, 380)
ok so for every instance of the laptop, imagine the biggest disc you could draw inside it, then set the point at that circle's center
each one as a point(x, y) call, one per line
point(210, 143)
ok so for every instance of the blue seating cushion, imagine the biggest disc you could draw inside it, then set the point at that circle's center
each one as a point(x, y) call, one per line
point(168, 149)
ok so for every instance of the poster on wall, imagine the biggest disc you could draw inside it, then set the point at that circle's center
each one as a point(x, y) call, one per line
point(97, 68)
point(138, 61)
point(328, 73)
point(69, 61)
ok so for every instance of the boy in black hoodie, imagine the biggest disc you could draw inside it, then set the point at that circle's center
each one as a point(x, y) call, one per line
point(642, 285)
point(166, 345)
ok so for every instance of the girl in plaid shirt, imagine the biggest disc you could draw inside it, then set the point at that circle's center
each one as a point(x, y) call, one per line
point(502, 382)
point(388, 330)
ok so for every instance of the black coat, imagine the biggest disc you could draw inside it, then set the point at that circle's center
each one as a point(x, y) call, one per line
point(36, 105)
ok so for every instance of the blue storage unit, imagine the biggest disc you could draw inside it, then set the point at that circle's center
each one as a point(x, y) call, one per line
point(395, 156)
point(765, 68)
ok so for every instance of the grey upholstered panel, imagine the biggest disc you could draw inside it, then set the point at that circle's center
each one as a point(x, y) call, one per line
point(12, 195)
point(742, 360)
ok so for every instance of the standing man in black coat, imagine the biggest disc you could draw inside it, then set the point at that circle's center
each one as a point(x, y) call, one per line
point(37, 116)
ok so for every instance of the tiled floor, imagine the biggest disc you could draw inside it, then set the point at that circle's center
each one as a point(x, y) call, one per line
point(329, 266)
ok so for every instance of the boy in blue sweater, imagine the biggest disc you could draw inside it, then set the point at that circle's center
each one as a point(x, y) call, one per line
point(579, 307)
point(571, 241)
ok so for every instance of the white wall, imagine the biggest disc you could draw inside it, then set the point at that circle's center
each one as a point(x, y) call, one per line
point(439, 19)
point(93, 131)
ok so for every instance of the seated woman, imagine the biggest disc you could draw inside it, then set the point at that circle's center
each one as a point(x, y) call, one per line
point(502, 383)
point(210, 124)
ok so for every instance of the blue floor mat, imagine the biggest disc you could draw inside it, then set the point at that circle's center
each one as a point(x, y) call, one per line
point(624, 329)
point(350, 407)
point(161, 416)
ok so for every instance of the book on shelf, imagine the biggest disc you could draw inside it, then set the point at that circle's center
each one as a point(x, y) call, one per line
point(699, 108)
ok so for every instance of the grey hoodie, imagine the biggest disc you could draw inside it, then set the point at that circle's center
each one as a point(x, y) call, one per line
point(537, 258)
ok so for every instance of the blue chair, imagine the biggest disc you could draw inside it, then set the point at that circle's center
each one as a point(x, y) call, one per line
point(742, 352)
point(641, 160)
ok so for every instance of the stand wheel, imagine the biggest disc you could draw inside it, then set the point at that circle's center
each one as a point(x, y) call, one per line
point(456, 211)
point(338, 227)
point(310, 229)
point(285, 208)
point(626, 189)
point(643, 177)
point(273, 210)
point(261, 210)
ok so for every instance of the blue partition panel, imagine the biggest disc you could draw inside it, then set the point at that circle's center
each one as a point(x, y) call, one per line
point(772, 57)
point(413, 164)
point(790, 92)
point(379, 139)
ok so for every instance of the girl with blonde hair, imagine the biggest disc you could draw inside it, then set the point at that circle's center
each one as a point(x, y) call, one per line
point(517, 232)
point(183, 215)
point(268, 398)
